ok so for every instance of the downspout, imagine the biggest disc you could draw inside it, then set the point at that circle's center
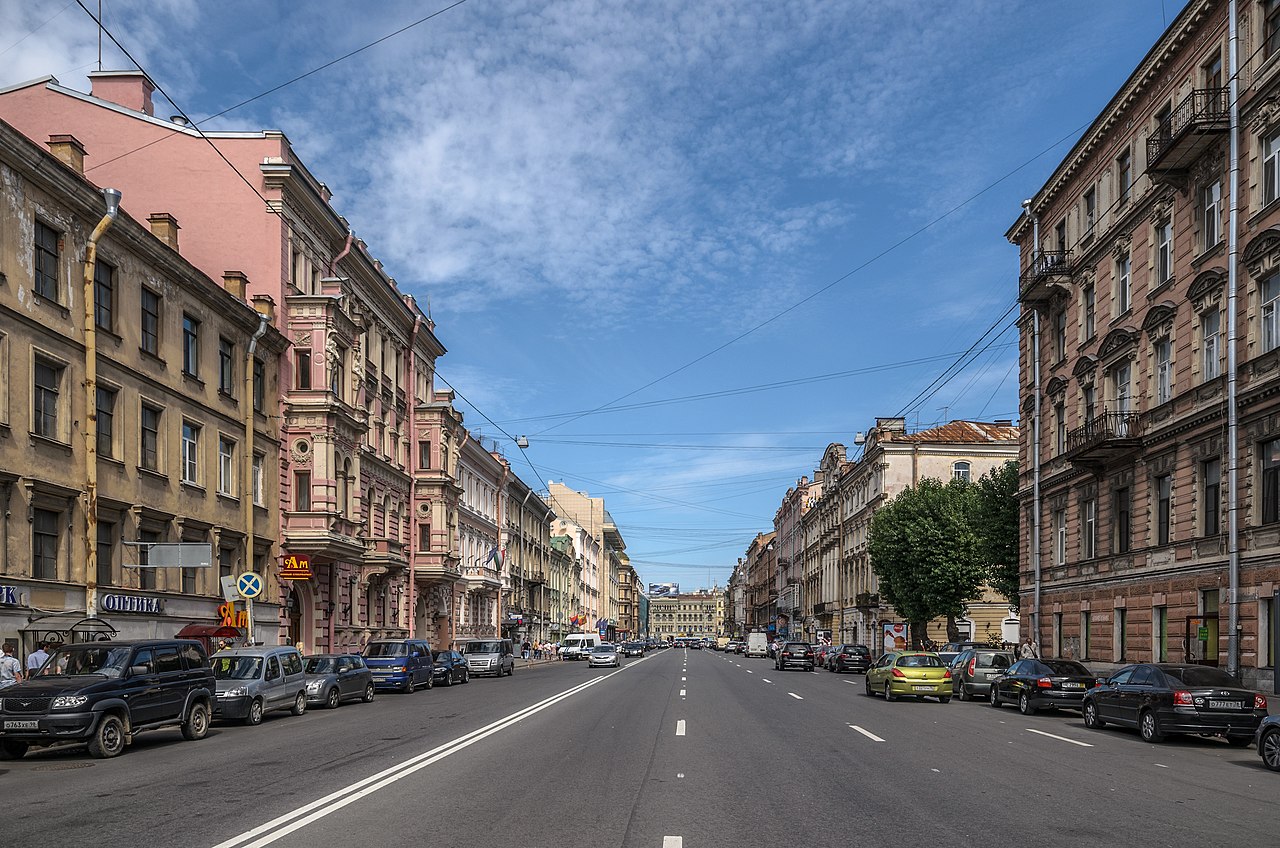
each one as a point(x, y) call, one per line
point(112, 198)
point(246, 498)
point(1035, 432)
point(333, 266)
point(334, 601)
point(1233, 421)
point(412, 394)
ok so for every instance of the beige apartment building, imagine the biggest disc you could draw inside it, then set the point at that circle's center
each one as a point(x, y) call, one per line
point(1149, 397)
point(699, 614)
point(609, 601)
point(529, 564)
point(166, 439)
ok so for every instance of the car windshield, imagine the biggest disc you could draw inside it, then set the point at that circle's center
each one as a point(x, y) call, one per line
point(604, 649)
point(993, 660)
point(236, 668)
point(920, 661)
point(1066, 667)
point(75, 661)
point(634, 645)
point(321, 665)
point(797, 646)
point(1200, 676)
point(440, 655)
point(386, 649)
point(481, 647)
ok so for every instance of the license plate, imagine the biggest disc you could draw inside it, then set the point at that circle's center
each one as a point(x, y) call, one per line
point(22, 725)
point(1073, 686)
point(921, 688)
point(1213, 705)
point(989, 675)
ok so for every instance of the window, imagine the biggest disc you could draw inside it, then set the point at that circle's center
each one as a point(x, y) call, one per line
point(1211, 220)
point(257, 480)
point(106, 552)
point(47, 383)
point(1120, 520)
point(1161, 634)
point(1124, 175)
point(150, 322)
point(1164, 252)
point(1088, 395)
point(226, 367)
point(1089, 299)
point(1271, 26)
point(149, 456)
point(424, 454)
point(1124, 282)
point(1090, 211)
point(1271, 313)
point(1211, 496)
point(259, 385)
point(1270, 167)
point(302, 491)
point(1120, 383)
point(44, 543)
point(1264, 633)
point(190, 453)
point(960, 470)
point(46, 261)
point(104, 295)
point(1089, 529)
point(1211, 349)
point(226, 561)
point(106, 422)
point(1164, 121)
point(1060, 238)
point(1059, 537)
point(190, 346)
point(1271, 481)
point(1164, 370)
point(1060, 334)
point(424, 537)
point(1164, 508)
point(1060, 427)
point(1121, 634)
point(226, 466)
point(302, 369)
point(147, 576)
point(1213, 72)
point(188, 581)
point(1085, 622)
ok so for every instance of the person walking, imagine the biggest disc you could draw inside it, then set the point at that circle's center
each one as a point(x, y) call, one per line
point(10, 668)
point(1029, 650)
point(37, 658)
point(524, 649)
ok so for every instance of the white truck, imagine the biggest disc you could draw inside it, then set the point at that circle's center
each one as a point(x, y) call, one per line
point(576, 646)
point(757, 645)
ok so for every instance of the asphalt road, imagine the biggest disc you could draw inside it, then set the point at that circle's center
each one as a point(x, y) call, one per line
point(676, 750)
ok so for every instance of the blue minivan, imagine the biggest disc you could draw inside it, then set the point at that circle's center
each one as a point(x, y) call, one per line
point(401, 664)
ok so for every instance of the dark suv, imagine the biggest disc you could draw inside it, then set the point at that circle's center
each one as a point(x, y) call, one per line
point(794, 654)
point(849, 658)
point(103, 693)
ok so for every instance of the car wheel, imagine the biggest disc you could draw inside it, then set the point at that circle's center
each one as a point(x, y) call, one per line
point(430, 683)
point(962, 693)
point(255, 713)
point(1149, 727)
point(331, 702)
point(866, 686)
point(1239, 741)
point(108, 739)
point(368, 693)
point(448, 678)
point(994, 698)
point(408, 686)
point(299, 704)
point(466, 675)
point(1092, 720)
point(197, 722)
point(10, 750)
point(944, 699)
point(1268, 748)
point(1024, 705)
point(888, 693)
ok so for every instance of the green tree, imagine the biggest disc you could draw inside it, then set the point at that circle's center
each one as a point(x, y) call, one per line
point(925, 552)
point(995, 521)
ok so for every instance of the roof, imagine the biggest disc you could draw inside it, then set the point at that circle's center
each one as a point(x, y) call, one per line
point(963, 432)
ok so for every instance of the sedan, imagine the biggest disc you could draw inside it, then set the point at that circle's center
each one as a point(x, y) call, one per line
point(633, 649)
point(1033, 684)
point(334, 678)
point(1268, 739)
point(974, 669)
point(604, 654)
point(795, 654)
point(917, 673)
point(450, 668)
point(849, 658)
point(1163, 698)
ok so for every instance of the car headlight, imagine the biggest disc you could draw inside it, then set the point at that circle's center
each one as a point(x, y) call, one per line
point(314, 685)
point(237, 692)
point(68, 702)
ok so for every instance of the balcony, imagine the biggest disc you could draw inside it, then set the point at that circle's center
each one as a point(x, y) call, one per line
point(1048, 266)
point(536, 577)
point(386, 553)
point(1189, 130)
point(480, 577)
point(1104, 438)
point(867, 601)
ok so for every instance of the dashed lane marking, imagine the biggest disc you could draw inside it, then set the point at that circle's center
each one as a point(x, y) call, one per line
point(749, 671)
point(1059, 738)
point(680, 727)
point(672, 842)
point(794, 695)
point(766, 680)
point(866, 733)
point(681, 693)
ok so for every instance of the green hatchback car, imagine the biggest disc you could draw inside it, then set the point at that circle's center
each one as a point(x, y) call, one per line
point(917, 673)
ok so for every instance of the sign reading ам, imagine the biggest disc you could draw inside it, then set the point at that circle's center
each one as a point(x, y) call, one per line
point(296, 567)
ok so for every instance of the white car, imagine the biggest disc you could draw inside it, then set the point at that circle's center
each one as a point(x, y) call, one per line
point(604, 654)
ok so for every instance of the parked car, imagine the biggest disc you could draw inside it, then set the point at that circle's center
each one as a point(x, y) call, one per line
point(489, 656)
point(255, 681)
point(633, 649)
point(917, 673)
point(448, 668)
point(959, 647)
point(820, 654)
point(795, 654)
point(604, 654)
point(104, 693)
point(1268, 739)
point(974, 669)
point(401, 664)
point(844, 658)
point(1034, 684)
point(1160, 699)
point(334, 678)
point(741, 649)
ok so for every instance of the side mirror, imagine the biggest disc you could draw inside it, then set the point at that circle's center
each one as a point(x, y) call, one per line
point(138, 670)
point(415, 654)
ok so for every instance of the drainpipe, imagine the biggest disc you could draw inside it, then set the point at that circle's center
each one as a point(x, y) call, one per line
point(246, 498)
point(1035, 432)
point(412, 395)
point(333, 266)
point(112, 198)
point(1233, 421)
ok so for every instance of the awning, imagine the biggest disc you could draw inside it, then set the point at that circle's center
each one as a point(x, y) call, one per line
point(68, 627)
point(208, 631)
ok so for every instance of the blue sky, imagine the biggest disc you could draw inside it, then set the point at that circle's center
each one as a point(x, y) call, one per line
point(594, 195)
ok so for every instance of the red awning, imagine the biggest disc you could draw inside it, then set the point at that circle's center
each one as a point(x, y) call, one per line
point(207, 631)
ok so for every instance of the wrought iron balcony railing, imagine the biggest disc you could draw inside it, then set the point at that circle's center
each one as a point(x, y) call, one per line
point(1182, 136)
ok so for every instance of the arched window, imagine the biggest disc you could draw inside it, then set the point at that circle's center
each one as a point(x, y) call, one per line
point(341, 495)
point(960, 470)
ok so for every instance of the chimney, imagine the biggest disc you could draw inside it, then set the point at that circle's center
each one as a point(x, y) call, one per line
point(69, 151)
point(235, 282)
point(130, 89)
point(165, 227)
point(265, 306)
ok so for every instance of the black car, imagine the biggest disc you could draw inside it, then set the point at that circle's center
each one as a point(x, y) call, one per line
point(1163, 698)
point(1268, 739)
point(448, 667)
point(633, 649)
point(1033, 684)
point(795, 654)
point(843, 658)
point(104, 693)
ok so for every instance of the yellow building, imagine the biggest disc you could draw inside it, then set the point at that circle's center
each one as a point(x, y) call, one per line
point(699, 614)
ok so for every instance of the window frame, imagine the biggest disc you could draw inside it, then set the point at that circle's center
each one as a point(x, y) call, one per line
point(151, 320)
point(1211, 496)
point(1124, 284)
point(1089, 305)
point(226, 366)
point(1269, 475)
point(150, 456)
point(1269, 313)
point(190, 345)
point(1271, 167)
point(1163, 486)
point(1210, 345)
point(1164, 252)
point(1124, 177)
point(226, 466)
point(962, 470)
point(1211, 215)
point(1089, 528)
point(46, 261)
point(42, 536)
point(104, 295)
point(1121, 520)
point(1162, 353)
point(106, 416)
point(189, 462)
point(302, 369)
point(47, 399)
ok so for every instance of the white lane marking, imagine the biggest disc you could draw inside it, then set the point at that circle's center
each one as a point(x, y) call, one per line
point(794, 695)
point(867, 733)
point(766, 680)
point(680, 727)
point(1161, 765)
point(682, 680)
point(681, 693)
point(813, 672)
point(680, 774)
point(1059, 738)
point(672, 842)
point(851, 683)
point(294, 820)
point(749, 671)
point(935, 771)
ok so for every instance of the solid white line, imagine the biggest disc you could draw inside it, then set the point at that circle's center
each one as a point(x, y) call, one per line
point(867, 733)
point(672, 842)
point(794, 695)
point(1059, 738)
point(766, 680)
point(680, 727)
point(294, 820)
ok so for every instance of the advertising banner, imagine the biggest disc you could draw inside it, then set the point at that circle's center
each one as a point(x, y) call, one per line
point(895, 637)
point(663, 590)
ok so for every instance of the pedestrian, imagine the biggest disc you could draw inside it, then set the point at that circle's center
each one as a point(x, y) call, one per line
point(1029, 650)
point(10, 668)
point(524, 649)
point(37, 658)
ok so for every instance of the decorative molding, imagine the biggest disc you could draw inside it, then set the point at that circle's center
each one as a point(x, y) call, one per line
point(1117, 341)
point(1057, 385)
point(1085, 368)
point(1264, 115)
point(1261, 256)
point(1159, 321)
point(1122, 246)
point(1206, 284)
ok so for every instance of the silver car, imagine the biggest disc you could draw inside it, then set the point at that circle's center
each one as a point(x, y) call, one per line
point(334, 678)
point(604, 654)
point(254, 681)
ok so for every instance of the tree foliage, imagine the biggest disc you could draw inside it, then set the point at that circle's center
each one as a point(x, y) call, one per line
point(996, 524)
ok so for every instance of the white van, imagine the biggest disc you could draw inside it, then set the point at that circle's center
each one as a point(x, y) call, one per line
point(757, 645)
point(576, 646)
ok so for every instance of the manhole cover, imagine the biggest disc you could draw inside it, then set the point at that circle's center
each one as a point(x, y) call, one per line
point(63, 766)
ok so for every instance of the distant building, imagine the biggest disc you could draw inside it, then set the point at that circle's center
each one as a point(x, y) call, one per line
point(699, 614)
